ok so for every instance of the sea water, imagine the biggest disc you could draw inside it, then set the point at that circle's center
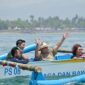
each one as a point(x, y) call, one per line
point(8, 40)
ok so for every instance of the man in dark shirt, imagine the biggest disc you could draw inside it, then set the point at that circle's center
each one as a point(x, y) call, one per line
point(16, 53)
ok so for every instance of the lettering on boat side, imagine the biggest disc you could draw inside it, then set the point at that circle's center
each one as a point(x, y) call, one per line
point(12, 71)
point(65, 74)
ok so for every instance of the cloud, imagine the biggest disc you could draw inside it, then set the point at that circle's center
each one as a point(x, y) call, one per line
point(18, 3)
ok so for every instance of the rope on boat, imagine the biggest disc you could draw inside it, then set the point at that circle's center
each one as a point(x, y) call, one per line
point(21, 66)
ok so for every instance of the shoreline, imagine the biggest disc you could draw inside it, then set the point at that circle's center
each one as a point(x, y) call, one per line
point(57, 32)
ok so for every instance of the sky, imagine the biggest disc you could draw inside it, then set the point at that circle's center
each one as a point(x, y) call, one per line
point(13, 9)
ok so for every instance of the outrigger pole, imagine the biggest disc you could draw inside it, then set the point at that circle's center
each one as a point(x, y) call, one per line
point(21, 66)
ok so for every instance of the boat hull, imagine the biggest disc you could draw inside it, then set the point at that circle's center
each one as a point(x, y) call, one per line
point(50, 69)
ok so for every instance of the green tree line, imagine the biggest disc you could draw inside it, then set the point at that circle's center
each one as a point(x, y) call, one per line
point(50, 22)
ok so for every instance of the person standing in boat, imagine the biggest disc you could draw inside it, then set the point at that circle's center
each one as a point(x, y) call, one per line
point(77, 52)
point(42, 51)
point(16, 53)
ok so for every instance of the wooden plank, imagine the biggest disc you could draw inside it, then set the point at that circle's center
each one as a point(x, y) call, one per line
point(28, 67)
point(69, 61)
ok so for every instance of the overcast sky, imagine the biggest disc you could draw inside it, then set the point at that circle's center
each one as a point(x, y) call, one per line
point(12, 9)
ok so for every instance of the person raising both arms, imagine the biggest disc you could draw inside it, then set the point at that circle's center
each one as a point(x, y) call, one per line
point(77, 52)
point(16, 53)
point(43, 52)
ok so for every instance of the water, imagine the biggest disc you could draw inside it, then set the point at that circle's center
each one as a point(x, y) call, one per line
point(7, 41)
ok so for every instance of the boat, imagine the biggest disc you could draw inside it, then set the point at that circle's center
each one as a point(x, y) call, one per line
point(55, 69)
point(51, 69)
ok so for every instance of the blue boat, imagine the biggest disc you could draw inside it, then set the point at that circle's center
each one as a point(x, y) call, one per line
point(56, 69)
